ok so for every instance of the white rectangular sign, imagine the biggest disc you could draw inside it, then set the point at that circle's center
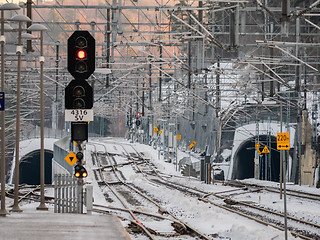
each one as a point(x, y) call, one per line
point(78, 115)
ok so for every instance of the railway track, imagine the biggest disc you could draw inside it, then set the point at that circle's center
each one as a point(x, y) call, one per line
point(115, 181)
point(290, 192)
point(134, 204)
point(28, 193)
point(270, 217)
point(265, 216)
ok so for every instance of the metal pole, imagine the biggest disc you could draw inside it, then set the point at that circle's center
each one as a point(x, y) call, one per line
point(29, 14)
point(55, 122)
point(190, 162)
point(189, 58)
point(142, 107)
point(42, 205)
point(283, 175)
point(285, 199)
point(160, 74)
point(16, 207)
point(281, 160)
point(218, 88)
point(3, 211)
point(108, 46)
point(150, 87)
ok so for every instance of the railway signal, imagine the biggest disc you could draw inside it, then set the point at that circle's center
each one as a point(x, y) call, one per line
point(81, 55)
point(138, 120)
point(79, 131)
point(80, 171)
point(78, 93)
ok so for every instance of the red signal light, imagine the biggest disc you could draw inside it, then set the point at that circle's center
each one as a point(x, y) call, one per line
point(81, 54)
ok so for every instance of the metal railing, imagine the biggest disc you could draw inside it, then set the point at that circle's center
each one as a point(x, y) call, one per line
point(68, 194)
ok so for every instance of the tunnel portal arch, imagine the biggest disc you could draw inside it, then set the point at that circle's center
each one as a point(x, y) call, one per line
point(29, 168)
point(243, 165)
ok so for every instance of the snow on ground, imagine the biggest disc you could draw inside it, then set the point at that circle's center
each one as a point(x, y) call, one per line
point(209, 219)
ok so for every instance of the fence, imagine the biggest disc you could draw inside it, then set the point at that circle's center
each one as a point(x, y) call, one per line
point(68, 194)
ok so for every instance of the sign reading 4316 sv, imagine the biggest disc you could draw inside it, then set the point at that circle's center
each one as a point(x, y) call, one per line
point(78, 115)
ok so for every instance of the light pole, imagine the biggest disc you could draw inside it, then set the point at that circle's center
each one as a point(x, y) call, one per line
point(41, 28)
point(4, 7)
point(20, 19)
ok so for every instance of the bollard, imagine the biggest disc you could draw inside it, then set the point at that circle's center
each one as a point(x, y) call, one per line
point(202, 170)
point(89, 200)
point(212, 175)
point(208, 171)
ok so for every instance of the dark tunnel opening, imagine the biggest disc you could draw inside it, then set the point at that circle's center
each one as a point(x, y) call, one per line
point(29, 168)
point(269, 165)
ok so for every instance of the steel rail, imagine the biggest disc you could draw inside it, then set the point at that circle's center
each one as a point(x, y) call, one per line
point(125, 205)
point(160, 207)
point(244, 204)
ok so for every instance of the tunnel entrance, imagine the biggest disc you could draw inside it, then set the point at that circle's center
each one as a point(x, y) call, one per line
point(269, 162)
point(29, 168)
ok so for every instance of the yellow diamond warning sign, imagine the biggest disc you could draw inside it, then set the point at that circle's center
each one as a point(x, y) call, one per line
point(265, 150)
point(71, 158)
point(257, 147)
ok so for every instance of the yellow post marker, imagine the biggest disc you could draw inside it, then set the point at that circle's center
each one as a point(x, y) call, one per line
point(283, 141)
point(192, 144)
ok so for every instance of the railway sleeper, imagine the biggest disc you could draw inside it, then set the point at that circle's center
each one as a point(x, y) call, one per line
point(136, 228)
point(133, 227)
point(230, 201)
point(179, 227)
